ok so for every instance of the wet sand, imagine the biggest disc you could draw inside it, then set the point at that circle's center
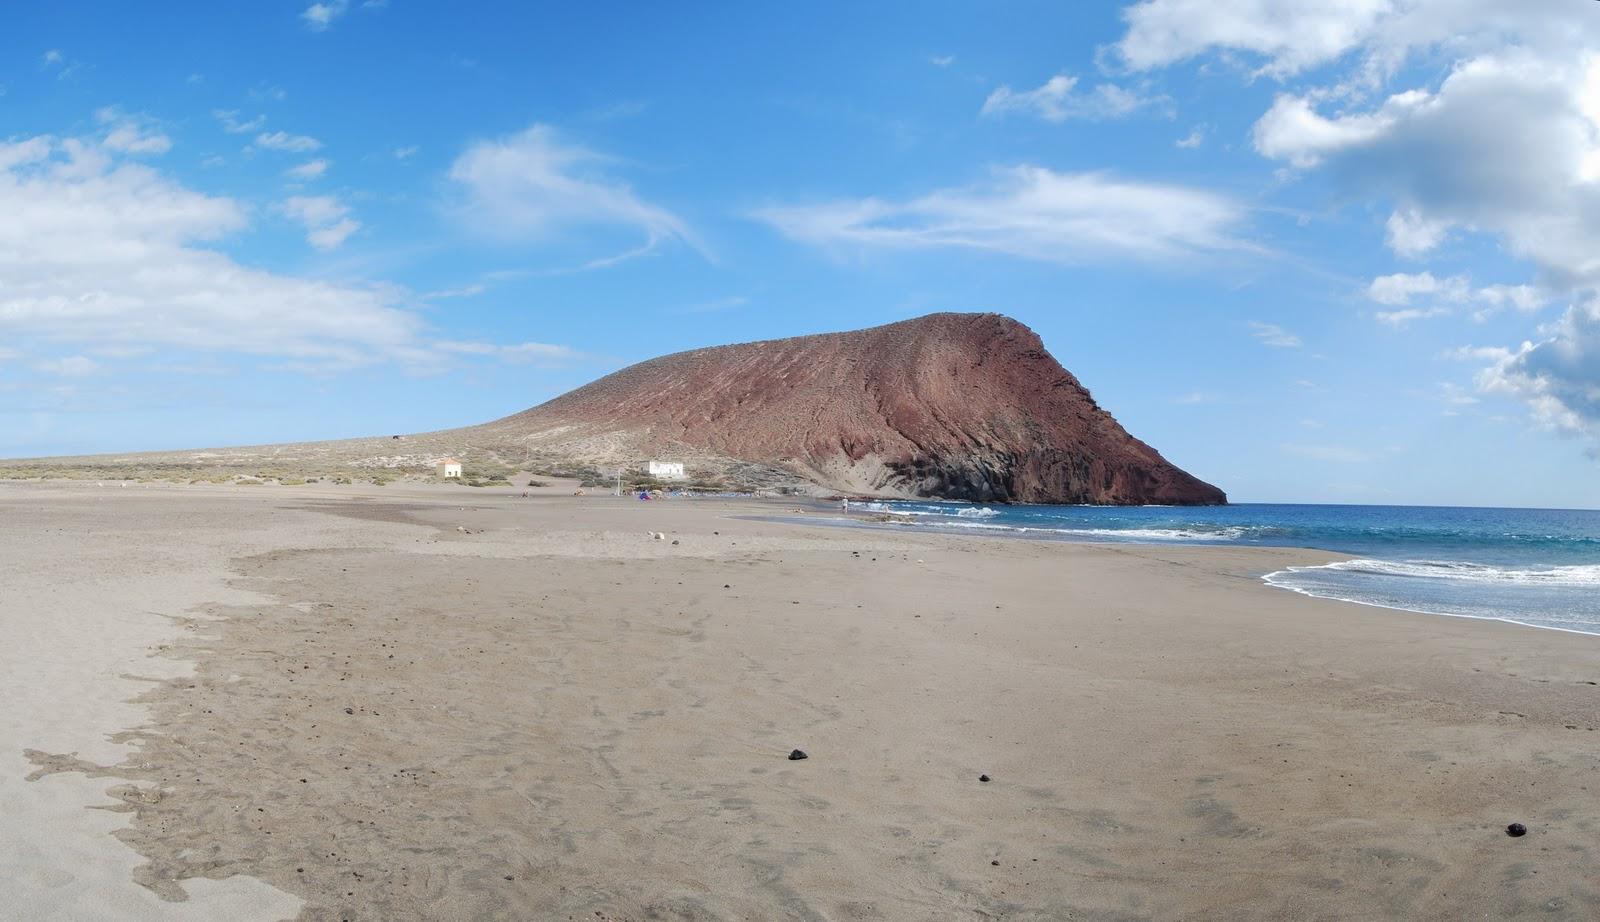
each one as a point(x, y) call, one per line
point(458, 704)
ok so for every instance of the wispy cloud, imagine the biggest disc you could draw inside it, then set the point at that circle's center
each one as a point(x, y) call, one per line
point(1057, 100)
point(1033, 213)
point(1404, 317)
point(311, 169)
point(319, 16)
point(327, 220)
point(132, 134)
point(289, 143)
point(54, 60)
point(233, 124)
point(1273, 335)
point(534, 183)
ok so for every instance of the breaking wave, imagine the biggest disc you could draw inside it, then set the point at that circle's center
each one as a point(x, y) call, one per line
point(1572, 576)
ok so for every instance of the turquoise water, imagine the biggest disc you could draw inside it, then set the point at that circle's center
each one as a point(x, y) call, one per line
point(1532, 566)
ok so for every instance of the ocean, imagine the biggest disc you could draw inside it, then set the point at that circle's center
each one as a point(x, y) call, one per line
point(1539, 567)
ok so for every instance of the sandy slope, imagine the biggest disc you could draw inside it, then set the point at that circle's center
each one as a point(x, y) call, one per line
point(551, 713)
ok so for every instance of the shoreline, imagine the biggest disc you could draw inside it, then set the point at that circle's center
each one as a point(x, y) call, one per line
point(852, 519)
point(432, 703)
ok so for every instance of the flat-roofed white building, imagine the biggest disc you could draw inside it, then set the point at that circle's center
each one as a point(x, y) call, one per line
point(448, 468)
point(666, 470)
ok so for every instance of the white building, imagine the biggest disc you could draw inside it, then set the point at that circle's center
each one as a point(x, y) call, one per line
point(666, 470)
point(448, 467)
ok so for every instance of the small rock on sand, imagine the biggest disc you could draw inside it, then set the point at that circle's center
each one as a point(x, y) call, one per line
point(797, 755)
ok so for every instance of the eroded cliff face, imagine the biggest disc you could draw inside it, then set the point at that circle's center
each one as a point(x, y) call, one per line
point(962, 406)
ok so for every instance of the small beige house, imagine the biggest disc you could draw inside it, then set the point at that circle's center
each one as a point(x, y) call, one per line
point(448, 468)
point(666, 470)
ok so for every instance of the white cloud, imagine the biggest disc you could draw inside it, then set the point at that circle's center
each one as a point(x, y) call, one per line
point(533, 184)
point(465, 291)
point(232, 124)
point(1193, 139)
point(942, 60)
point(1495, 135)
point(1401, 319)
point(311, 169)
point(290, 143)
point(1401, 287)
point(1273, 335)
point(405, 153)
point(1507, 145)
point(1029, 212)
point(318, 16)
point(29, 150)
point(131, 134)
point(326, 219)
point(1411, 235)
point(1375, 37)
point(1439, 295)
point(1558, 377)
point(1055, 101)
point(1292, 130)
point(53, 56)
point(102, 252)
point(1291, 35)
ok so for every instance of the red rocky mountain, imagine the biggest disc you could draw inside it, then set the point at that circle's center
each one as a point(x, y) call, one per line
point(959, 406)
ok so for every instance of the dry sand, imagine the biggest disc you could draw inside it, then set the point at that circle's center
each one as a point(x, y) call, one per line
point(458, 704)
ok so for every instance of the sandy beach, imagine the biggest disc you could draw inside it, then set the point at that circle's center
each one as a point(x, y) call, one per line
point(447, 703)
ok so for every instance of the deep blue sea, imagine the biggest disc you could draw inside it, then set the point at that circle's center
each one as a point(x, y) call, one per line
point(1533, 566)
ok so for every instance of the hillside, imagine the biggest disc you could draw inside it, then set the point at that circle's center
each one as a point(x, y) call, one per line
point(960, 406)
point(963, 406)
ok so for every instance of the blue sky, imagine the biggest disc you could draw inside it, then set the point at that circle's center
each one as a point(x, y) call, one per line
point(1313, 251)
